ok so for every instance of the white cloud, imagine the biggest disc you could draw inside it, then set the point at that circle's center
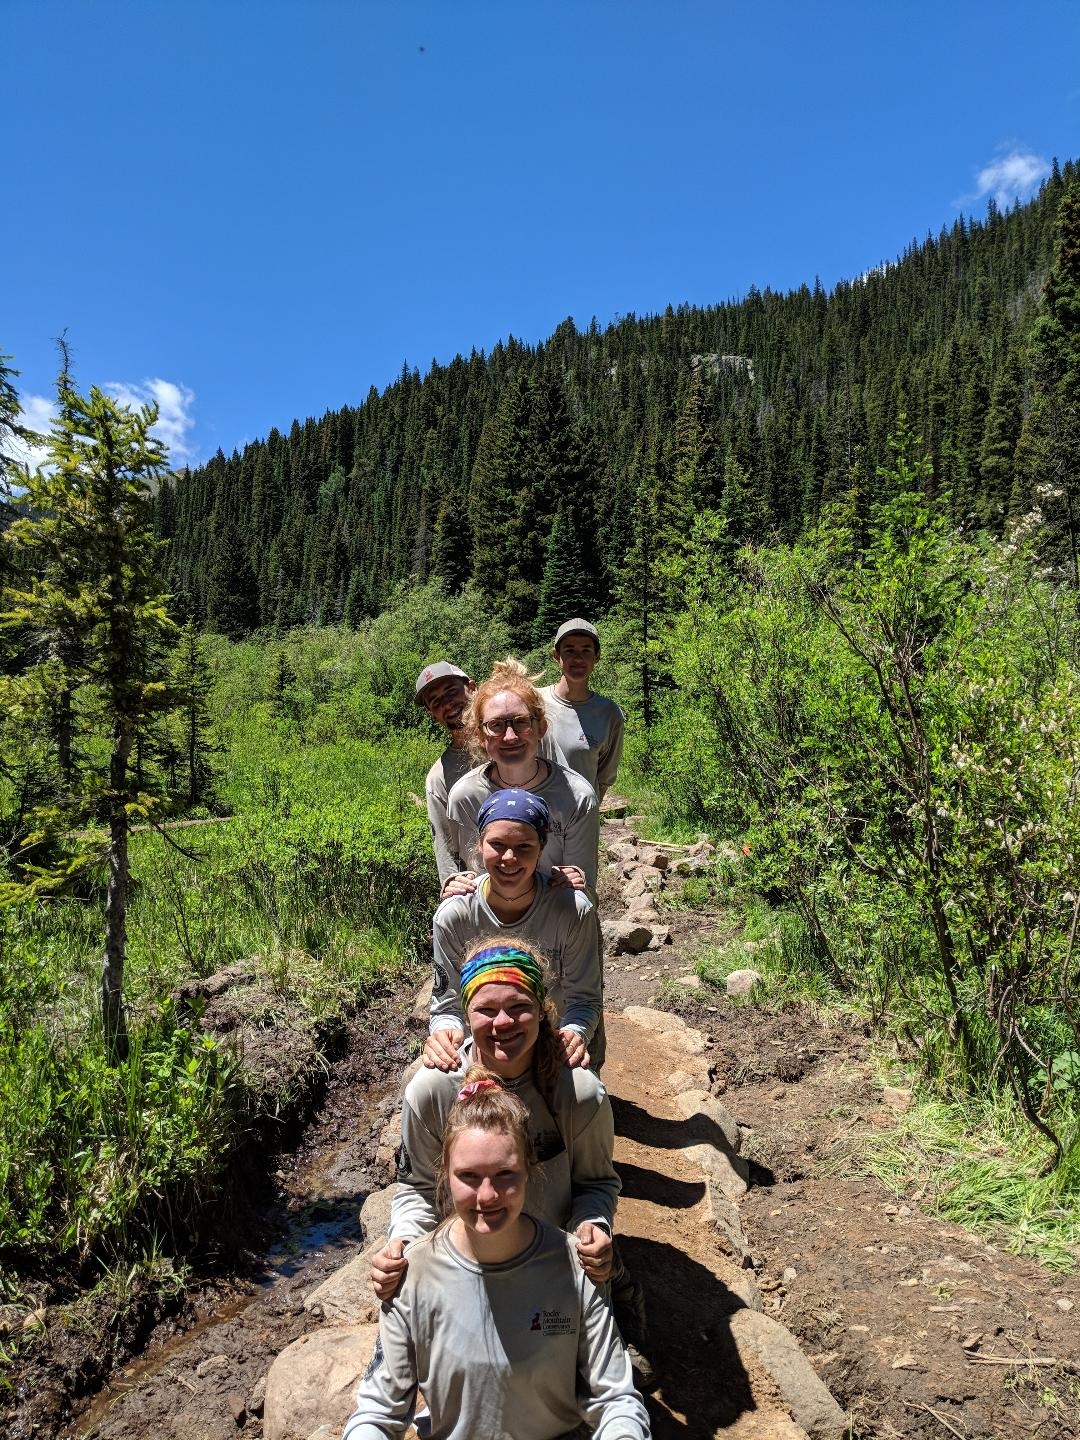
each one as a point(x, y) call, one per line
point(175, 418)
point(37, 415)
point(1015, 175)
point(174, 423)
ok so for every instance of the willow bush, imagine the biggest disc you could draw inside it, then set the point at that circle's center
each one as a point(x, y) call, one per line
point(894, 730)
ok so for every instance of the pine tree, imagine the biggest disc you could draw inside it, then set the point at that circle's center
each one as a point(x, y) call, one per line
point(498, 488)
point(997, 452)
point(192, 683)
point(232, 603)
point(568, 587)
point(88, 547)
point(1051, 439)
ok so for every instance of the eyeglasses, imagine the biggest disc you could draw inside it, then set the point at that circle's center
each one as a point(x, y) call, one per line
point(521, 725)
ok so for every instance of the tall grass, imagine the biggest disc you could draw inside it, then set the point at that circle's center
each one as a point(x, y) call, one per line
point(321, 883)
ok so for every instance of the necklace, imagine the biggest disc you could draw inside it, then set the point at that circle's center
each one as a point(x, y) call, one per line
point(522, 784)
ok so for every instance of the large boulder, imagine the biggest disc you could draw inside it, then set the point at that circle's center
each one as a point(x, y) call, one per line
point(313, 1381)
point(626, 937)
point(346, 1297)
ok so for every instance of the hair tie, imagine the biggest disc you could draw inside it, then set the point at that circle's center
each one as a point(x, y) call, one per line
point(476, 1087)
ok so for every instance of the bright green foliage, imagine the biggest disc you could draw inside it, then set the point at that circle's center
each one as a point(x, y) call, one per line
point(94, 609)
point(424, 625)
point(898, 741)
point(320, 883)
point(98, 1156)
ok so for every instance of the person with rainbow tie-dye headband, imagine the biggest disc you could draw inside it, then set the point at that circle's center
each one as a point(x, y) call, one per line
point(512, 1034)
point(514, 898)
point(573, 1183)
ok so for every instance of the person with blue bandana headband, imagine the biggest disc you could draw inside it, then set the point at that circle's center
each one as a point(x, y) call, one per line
point(513, 896)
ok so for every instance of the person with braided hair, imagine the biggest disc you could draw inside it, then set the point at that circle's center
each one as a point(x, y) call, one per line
point(496, 1320)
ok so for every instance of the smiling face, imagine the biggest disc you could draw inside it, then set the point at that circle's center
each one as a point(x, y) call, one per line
point(505, 1025)
point(486, 1175)
point(577, 656)
point(510, 853)
point(445, 700)
point(508, 748)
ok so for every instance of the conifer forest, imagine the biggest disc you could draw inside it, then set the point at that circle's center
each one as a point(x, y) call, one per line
point(831, 540)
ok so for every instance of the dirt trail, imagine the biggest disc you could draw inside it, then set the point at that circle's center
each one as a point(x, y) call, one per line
point(711, 1385)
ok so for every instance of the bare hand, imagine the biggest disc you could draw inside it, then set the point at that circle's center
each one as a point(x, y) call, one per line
point(441, 1049)
point(389, 1265)
point(463, 883)
point(574, 1050)
point(594, 1250)
point(565, 877)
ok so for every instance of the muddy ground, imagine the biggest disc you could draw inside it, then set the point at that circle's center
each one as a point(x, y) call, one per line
point(919, 1328)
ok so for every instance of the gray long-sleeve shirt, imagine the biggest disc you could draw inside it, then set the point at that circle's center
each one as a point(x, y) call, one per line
point(519, 1351)
point(589, 732)
point(451, 765)
point(574, 837)
point(560, 923)
point(575, 1177)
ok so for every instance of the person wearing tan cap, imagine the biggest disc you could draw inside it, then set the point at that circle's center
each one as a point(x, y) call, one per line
point(587, 727)
point(443, 690)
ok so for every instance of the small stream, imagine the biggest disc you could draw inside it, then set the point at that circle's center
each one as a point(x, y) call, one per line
point(322, 1189)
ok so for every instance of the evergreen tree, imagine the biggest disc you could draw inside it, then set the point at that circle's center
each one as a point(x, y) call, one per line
point(88, 547)
point(498, 490)
point(192, 683)
point(452, 545)
point(997, 452)
point(232, 605)
point(1052, 441)
point(568, 587)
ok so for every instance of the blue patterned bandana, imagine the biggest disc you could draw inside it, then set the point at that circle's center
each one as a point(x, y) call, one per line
point(515, 804)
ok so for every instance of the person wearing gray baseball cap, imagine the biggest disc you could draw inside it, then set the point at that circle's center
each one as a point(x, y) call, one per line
point(587, 727)
point(443, 690)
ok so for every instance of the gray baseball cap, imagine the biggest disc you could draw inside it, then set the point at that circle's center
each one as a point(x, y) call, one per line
point(441, 670)
point(577, 627)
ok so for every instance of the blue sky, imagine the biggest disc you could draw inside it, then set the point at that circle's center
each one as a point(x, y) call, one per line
point(255, 211)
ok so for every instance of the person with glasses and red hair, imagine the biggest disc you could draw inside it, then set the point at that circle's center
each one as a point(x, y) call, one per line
point(505, 722)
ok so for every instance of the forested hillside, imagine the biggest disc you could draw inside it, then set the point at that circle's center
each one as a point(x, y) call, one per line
point(581, 457)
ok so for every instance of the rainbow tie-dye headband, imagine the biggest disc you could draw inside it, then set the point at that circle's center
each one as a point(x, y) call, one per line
point(502, 965)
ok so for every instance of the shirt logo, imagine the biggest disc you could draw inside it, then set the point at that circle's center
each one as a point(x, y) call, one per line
point(440, 981)
point(551, 1322)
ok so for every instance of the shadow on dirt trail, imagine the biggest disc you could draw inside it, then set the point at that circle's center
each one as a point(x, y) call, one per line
point(704, 1387)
